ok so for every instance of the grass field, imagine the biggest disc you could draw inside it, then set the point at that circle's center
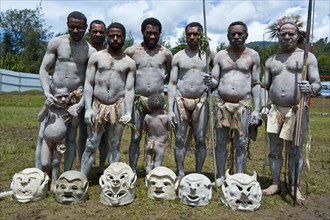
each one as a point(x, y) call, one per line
point(18, 137)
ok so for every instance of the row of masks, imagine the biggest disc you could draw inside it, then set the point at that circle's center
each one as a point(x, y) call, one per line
point(118, 187)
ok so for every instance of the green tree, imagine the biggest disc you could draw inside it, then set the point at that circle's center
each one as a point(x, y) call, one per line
point(24, 41)
point(221, 46)
point(129, 41)
point(180, 44)
point(324, 64)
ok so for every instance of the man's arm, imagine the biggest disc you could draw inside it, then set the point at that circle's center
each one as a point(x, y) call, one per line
point(255, 88)
point(129, 90)
point(168, 62)
point(172, 89)
point(47, 62)
point(88, 90)
point(313, 74)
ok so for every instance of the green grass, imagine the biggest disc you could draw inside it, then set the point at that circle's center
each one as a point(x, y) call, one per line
point(18, 137)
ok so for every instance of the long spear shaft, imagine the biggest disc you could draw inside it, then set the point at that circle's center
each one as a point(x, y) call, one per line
point(210, 102)
point(301, 103)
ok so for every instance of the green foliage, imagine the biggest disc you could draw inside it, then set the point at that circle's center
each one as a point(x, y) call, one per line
point(129, 41)
point(221, 46)
point(324, 64)
point(24, 38)
point(204, 46)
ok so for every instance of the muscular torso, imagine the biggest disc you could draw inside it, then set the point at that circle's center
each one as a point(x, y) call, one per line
point(191, 71)
point(285, 72)
point(150, 69)
point(235, 78)
point(110, 77)
point(71, 63)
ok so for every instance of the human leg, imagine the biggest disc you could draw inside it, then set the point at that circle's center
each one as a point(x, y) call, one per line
point(180, 138)
point(104, 151)
point(45, 158)
point(200, 132)
point(150, 156)
point(222, 138)
point(82, 135)
point(114, 134)
point(88, 157)
point(56, 162)
point(134, 146)
point(275, 163)
point(241, 143)
point(295, 159)
point(39, 145)
point(70, 153)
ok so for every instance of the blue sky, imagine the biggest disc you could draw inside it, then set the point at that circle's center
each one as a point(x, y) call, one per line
point(174, 14)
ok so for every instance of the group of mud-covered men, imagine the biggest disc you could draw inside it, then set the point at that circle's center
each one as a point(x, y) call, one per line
point(100, 88)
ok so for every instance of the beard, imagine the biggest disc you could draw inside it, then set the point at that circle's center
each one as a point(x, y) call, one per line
point(115, 45)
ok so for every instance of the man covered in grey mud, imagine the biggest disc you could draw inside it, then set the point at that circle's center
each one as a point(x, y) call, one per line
point(109, 96)
point(69, 53)
point(187, 95)
point(284, 87)
point(235, 74)
point(153, 63)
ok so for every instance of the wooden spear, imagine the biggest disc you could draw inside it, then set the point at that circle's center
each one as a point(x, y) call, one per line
point(302, 99)
point(210, 102)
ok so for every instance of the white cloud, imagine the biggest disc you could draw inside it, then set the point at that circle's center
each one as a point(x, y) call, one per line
point(257, 14)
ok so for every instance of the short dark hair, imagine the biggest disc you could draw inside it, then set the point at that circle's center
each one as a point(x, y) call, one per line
point(152, 21)
point(237, 23)
point(77, 15)
point(156, 102)
point(97, 22)
point(194, 24)
point(117, 25)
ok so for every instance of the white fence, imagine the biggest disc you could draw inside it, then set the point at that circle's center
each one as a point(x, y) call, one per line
point(17, 81)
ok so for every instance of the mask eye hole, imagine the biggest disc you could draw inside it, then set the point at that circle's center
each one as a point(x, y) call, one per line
point(63, 186)
point(74, 187)
point(153, 183)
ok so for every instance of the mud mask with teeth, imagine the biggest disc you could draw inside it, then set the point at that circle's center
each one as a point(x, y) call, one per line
point(31, 184)
point(71, 188)
point(161, 184)
point(195, 190)
point(241, 192)
point(117, 185)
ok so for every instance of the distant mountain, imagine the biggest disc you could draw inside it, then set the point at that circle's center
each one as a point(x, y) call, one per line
point(260, 44)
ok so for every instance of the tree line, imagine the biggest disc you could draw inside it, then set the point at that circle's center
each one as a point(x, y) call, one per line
point(24, 36)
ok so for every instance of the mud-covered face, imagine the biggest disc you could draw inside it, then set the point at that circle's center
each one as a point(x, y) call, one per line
point(151, 36)
point(76, 28)
point(161, 183)
point(288, 37)
point(195, 190)
point(30, 184)
point(237, 36)
point(241, 192)
point(117, 185)
point(71, 188)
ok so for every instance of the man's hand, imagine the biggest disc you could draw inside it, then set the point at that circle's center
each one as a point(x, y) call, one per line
point(209, 80)
point(125, 119)
point(74, 110)
point(264, 113)
point(172, 117)
point(305, 86)
point(89, 116)
point(255, 118)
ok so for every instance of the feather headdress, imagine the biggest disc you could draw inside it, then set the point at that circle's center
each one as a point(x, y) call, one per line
point(274, 29)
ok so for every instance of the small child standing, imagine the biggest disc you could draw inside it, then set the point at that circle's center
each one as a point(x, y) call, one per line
point(157, 124)
point(57, 118)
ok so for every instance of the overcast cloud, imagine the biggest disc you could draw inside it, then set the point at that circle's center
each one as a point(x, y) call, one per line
point(174, 15)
